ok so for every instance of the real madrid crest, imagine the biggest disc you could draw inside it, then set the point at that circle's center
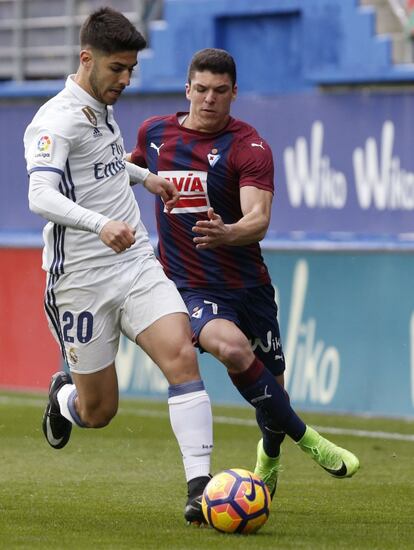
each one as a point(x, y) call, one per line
point(90, 115)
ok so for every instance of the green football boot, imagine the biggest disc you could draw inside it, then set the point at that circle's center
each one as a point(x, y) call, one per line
point(267, 468)
point(336, 461)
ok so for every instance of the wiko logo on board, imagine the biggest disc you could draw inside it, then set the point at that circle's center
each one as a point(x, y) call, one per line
point(313, 366)
point(313, 180)
point(380, 182)
point(379, 179)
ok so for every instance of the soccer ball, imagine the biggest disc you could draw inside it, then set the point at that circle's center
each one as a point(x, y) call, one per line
point(236, 501)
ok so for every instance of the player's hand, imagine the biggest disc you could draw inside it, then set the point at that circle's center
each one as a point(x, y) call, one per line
point(212, 232)
point(162, 187)
point(117, 235)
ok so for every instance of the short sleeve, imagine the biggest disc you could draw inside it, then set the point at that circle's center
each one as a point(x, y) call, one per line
point(138, 154)
point(254, 163)
point(45, 150)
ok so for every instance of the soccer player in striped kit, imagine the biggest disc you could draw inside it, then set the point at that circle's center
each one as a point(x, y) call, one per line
point(209, 246)
point(102, 274)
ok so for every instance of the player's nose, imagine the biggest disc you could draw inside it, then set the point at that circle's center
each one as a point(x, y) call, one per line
point(210, 97)
point(125, 78)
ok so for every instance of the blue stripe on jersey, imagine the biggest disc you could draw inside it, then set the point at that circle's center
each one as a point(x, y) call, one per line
point(58, 250)
point(67, 188)
point(45, 169)
point(107, 121)
point(183, 154)
point(52, 311)
point(64, 186)
point(69, 182)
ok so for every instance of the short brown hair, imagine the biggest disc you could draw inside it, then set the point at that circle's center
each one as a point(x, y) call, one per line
point(214, 60)
point(110, 31)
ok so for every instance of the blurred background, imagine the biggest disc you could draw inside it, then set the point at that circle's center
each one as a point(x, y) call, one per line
point(329, 85)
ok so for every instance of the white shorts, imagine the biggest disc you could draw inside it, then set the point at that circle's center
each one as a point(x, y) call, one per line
point(87, 310)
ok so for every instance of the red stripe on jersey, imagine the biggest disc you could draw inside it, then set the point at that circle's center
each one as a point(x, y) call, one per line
point(191, 202)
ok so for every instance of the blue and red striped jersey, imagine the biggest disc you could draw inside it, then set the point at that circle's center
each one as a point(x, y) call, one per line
point(208, 170)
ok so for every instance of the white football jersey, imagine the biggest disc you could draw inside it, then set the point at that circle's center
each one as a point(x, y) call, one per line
point(77, 137)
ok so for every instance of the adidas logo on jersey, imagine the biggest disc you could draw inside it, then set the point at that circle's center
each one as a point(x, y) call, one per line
point(96, 132)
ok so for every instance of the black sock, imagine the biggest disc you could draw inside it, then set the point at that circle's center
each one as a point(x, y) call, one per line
point(260, 388)
point(272, 439)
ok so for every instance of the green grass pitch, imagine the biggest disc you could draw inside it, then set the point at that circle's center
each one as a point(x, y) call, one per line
point(123, 487)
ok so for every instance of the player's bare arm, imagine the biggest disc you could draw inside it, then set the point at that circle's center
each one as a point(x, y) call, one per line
point(256, 206)
point(117, 235)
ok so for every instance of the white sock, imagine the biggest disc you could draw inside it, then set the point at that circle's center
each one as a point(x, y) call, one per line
point(62, 397)
point(192, 423)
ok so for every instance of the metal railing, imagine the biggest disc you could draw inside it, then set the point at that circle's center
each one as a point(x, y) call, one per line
point(39, 39)
point(399, 8)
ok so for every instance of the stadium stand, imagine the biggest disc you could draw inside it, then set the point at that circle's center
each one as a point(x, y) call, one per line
point(392, 19)
point(361, 42)
point(315, 42)
point(39, 39)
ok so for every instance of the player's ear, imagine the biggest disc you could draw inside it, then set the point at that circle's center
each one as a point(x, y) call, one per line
point(187, 90)
point(234, 94)
point(86, 58)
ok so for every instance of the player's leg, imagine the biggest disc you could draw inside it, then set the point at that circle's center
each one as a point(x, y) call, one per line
point(269, 449)
point(260, 388)
point(223, 339)
point(258, 317)
point(215, 323)
point(84, 319)
point(255, 374)
point(94, 400)
point(189, 404)
point(85, 400)
point(156, 317)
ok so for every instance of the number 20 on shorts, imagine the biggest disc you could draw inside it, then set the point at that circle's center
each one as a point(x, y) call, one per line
point(79, 327)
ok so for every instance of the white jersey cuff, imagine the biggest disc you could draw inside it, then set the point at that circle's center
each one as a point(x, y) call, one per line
point(136, 173)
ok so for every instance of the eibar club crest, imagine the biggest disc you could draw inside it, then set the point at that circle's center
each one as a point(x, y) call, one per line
point(213, 157)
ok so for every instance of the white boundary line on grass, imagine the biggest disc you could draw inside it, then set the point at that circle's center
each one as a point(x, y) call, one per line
point(325, 429)
point(220, 419)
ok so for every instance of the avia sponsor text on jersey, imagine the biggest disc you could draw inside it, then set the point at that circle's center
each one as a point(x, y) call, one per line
point(192, 187)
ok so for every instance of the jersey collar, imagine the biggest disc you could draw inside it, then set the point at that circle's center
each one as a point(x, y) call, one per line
point(83, 96)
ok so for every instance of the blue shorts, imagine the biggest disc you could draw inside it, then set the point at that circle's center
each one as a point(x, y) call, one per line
point(253, 310)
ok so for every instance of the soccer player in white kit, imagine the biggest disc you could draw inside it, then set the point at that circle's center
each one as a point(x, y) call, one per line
point(102, 275)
